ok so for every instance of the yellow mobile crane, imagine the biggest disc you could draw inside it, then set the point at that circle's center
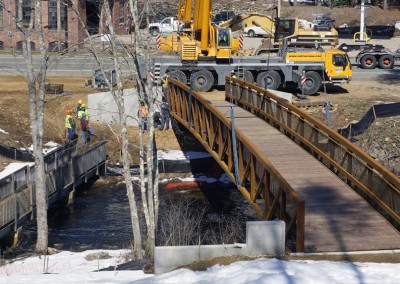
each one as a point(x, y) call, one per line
point(205, 57)
point(200, 39)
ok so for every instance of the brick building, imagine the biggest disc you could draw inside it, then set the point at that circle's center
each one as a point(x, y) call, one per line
point(62, 26)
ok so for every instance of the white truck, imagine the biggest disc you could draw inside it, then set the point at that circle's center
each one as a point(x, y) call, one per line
point(168, 25)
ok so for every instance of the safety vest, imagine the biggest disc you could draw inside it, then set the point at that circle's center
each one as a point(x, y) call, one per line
point(69, 122)
point(80, 114)
point(143, 111)
point(87, 114)
point(165, 84)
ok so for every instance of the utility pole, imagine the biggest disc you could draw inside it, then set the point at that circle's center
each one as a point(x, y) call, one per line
point(362, 21)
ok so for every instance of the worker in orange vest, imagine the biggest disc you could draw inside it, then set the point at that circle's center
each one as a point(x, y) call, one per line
point(143, 117)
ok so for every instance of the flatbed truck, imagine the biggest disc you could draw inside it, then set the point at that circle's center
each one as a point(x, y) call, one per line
point(371, 56)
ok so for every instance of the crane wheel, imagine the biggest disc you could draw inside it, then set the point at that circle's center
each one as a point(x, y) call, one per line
point(178, 75)
point(248, 76)
point(386, 62)
point(312, 84)
point(202, 80)
point(368, 61)
point(269, 80)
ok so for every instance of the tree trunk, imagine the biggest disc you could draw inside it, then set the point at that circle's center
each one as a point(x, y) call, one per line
point(36, 110)
point(150, 189)
point(118, 96)
point(385, 5)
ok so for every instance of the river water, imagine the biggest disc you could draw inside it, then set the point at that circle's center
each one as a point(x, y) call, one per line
point(99, 217)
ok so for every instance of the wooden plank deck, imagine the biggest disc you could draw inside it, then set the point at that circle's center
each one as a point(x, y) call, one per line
point(336, 218)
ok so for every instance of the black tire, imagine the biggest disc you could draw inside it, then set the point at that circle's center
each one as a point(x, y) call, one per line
point(269, 80)
point(248, 76)
point(313, 83)
point(178, 75)
point(368, 61)
point(251, 33)
point(386, 61)
point(202, 80)
point(154, 31)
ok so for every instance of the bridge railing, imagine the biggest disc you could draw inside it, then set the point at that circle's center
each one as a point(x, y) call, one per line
point(259, 182)
point(64, 169)
point(375, 183)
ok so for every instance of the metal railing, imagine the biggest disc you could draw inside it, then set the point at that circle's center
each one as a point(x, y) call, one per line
point(375, 183)
point(17, 189)
point(259, 182)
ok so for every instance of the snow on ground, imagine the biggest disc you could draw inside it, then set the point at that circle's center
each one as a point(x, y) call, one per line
point(181, 155)
point(13, 167)
point(47, 148)
point(71, 267)
point(3, 131)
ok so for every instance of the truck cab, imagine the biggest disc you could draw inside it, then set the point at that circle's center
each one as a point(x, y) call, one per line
point(223, 16)
point(168, 25)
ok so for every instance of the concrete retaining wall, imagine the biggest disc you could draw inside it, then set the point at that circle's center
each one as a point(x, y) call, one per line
point(102, 107)
point(262, 237)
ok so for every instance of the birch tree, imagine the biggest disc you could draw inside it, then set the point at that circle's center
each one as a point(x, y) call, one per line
point(147, 154)
point(36, 78)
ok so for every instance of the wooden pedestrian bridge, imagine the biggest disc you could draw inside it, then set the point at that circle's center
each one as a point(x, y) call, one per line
point(332, 196)
point(65, 169)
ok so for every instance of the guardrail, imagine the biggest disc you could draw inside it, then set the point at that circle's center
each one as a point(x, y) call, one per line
point(375, 183)
point(65, 169)
point(259, 182)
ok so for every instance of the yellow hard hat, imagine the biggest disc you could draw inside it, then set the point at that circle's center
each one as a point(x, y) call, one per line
point(83, 106)
point(79, 102)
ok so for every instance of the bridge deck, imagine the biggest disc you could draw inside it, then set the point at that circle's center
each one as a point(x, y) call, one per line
point(336, 218)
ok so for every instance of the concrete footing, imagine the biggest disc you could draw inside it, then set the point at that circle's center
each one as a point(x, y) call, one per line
point(262, 237)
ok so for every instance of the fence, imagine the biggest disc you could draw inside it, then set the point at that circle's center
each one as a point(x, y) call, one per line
point(65, 169)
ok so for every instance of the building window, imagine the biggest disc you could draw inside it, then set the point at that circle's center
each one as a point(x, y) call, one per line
point(121, 18)
point(1, 18)
point(27, 11)
point(53, 15)
point(19, 46)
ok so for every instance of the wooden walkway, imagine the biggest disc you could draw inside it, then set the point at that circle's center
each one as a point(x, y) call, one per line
point(336, 218)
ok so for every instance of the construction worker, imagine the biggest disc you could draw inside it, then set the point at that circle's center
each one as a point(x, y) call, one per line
point(78, 107)
point(165, 85)
point(165, 110)
point(142, 113)
point(81, 110)
point(70, 126)
point(86, 112)
point(84, 129)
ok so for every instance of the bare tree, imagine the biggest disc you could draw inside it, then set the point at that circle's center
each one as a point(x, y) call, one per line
point(147, 155)
point(36, 80)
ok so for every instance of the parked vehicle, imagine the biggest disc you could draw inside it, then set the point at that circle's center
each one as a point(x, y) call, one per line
point(371, 55)
point(255, 31)
point(168, 25)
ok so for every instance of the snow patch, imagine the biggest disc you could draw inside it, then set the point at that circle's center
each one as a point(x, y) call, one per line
point(3, 131)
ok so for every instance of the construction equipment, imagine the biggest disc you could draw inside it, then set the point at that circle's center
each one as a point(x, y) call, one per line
point(200, 39)
point(371, 55)
point(297, 33)
point(205, 56)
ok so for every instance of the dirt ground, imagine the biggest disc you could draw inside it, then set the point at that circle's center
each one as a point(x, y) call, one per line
point(14, 117)
point(349, 103)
